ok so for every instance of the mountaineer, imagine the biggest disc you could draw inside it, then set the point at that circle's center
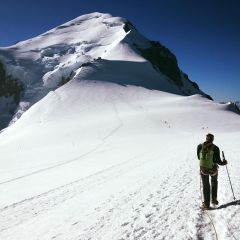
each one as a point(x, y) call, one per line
point(209, 159)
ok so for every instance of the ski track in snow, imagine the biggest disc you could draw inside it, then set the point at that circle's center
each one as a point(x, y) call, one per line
point(154, 202)
point(141, 197)
point(56, 196)
point(166, 210)
point(115, 129)
point(123, 202)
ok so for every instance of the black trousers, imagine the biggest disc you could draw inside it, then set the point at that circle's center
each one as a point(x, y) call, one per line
point(207, 188)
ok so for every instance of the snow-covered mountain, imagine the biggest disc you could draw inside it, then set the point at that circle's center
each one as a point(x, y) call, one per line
point(94, 46)
point(104, 156)
point(233, 106)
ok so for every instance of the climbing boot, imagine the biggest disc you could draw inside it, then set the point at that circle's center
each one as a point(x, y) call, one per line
point(204, 206)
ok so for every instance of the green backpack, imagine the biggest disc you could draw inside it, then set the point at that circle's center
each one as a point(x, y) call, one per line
point(206, 157)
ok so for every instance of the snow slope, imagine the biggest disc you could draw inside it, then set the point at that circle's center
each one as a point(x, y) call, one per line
point(97, 152)
point(45, 62)
point(98, 160)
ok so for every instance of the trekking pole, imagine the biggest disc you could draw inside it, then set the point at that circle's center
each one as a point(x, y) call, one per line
point(228, 176)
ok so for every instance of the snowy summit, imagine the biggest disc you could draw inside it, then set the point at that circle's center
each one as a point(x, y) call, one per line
point(91, 47)
point(99, 136)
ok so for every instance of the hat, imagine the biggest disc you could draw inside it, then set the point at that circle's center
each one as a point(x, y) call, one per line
point(210, 137)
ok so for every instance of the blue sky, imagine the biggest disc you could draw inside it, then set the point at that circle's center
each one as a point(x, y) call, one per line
point(204, 35)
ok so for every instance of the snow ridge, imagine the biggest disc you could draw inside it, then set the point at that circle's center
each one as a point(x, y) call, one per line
point(51, 59)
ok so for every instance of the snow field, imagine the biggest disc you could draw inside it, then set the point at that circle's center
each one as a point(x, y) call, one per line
point(96, 160)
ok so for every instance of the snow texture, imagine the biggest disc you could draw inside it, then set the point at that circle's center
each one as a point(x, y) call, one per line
point(100, 159)
point(47, 61)
point(95, 160)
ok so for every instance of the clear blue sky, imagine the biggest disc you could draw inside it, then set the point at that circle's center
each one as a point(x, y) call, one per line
point(204, 35)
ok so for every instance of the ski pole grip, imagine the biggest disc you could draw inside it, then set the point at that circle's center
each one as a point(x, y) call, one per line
point(223, 155)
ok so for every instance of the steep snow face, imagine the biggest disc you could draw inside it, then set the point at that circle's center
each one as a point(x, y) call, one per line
point(63, 48)
point(51, 59)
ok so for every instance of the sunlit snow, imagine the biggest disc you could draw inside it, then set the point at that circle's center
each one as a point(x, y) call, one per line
point(100, 158)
